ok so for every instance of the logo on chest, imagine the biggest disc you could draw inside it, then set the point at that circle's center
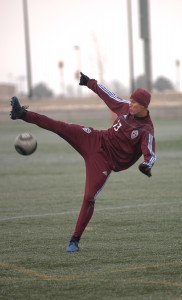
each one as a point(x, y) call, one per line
point(134, 134)
point(87, 130)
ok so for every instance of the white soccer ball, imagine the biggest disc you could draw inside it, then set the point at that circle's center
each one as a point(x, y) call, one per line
point(25, 143)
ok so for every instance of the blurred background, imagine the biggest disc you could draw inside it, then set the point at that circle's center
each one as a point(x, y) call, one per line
point(123, 44)
point(134, 243)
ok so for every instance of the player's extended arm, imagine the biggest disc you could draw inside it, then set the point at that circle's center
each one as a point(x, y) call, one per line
point(111, 100)
point(148, 150)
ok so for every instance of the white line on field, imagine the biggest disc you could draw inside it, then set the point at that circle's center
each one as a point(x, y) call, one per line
point(99, 209)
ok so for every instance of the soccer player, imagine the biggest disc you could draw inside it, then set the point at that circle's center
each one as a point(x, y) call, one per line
point(104, 151)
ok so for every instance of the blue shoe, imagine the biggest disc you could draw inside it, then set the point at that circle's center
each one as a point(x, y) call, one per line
point(17, 111)
point(73, 247)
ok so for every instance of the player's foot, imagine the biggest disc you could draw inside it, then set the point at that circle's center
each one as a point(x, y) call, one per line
point(73, 247)
point(17, 111)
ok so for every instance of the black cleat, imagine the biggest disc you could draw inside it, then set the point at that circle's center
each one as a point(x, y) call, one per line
point(17, 111)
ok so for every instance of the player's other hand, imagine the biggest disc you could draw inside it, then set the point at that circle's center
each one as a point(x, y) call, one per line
point(145, 169)
point(83, 79)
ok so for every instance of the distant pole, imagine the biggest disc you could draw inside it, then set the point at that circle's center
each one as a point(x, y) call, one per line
point(177, 74)
point(130, 40)
point(99, 59)
point(27, 48)
point(77, 49)
point(61, 67)
point(145, 35)
point(77, 73)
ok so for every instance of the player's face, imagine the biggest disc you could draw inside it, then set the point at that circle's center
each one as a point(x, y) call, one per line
point(136, 109)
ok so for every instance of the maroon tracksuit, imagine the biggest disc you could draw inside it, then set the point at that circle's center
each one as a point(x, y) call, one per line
point(104, 151)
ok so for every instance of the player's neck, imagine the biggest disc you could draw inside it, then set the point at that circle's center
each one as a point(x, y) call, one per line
point(141, 114)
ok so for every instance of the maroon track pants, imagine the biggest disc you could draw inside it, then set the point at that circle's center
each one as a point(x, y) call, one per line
point(87, 142)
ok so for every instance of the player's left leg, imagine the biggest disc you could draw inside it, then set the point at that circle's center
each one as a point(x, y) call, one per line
point(97, 173)
point(79, 137)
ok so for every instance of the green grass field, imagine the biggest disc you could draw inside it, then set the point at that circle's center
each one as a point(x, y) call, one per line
point(132, 248)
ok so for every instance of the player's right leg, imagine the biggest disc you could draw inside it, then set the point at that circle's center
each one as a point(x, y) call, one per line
point(97, 174)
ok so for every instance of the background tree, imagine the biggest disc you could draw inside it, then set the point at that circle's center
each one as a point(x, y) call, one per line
point(162, 83)
point(140, 81)
point(42, 91)
point(118, 88)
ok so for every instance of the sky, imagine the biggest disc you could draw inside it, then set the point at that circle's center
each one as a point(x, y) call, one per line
point(99, 28)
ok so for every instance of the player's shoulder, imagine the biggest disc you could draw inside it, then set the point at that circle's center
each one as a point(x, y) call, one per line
point(147, 125)
point(125, 110)
point(148, 128)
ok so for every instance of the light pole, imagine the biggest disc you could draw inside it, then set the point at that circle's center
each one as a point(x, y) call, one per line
point(177, 74)
point(27, 48)
point(61, 67)
point(21, 80)
point(77, 73)
point(145, 35)
point(130, 41)
point(77, 48)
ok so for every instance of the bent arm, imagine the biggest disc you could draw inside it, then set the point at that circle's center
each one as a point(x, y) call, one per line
point(148, 150)
point(111, 100)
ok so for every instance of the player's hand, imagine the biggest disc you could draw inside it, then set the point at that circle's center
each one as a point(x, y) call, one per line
point(145, 169)
point(83, 79)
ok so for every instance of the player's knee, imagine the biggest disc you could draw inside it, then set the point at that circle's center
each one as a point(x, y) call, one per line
point(90, 200)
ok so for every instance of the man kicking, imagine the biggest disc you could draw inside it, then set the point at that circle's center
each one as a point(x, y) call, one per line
point(115, 149)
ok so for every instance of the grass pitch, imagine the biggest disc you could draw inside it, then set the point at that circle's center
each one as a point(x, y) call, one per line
point(132, 248)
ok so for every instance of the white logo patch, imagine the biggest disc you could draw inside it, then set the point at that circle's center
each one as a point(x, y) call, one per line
point(117, 125)
point(134, 134)
point(87, 130)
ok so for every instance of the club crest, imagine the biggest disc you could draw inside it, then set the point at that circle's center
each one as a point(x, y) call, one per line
point(87, 130)
point(134, 134)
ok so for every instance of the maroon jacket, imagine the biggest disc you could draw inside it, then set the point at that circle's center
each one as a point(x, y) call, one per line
point(129, 137)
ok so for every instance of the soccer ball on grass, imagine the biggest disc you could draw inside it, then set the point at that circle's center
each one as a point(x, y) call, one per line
point(25, 143)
